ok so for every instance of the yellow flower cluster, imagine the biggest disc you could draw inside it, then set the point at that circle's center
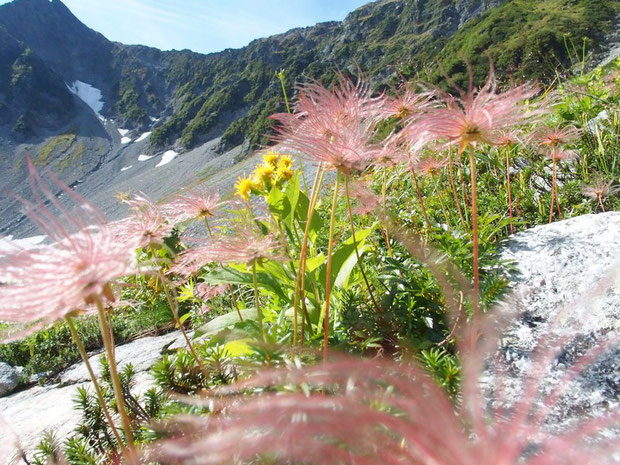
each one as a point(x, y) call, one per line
point(275, 169)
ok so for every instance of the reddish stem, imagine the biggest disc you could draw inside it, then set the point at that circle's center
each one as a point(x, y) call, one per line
point(512, 228)
point(417, 186)
point(330, 248)
point(474, 221)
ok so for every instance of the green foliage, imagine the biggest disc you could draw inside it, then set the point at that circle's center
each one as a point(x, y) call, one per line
point(47, 450)
point(128, 104)
point(527, 39)
point(443, 367)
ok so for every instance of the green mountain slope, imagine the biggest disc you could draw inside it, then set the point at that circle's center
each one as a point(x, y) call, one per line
point(528, 39)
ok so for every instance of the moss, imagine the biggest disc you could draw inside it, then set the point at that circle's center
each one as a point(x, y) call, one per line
point(73, 157)
point(59, 144)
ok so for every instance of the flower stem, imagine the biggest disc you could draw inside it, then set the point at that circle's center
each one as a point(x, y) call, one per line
point(385, 228)
point(301, 272)
point(259, 314)
point(357, 254)
point(417, 186)
point(230, 288)
point(330, 248)
point(512, 228)
point(116, 382)
point(437, 192)
point(453, 188)
point(96, 386)
point(553, 189)
point(557, 194)
point(208, 228)
point(175, 313)
point(474, 222)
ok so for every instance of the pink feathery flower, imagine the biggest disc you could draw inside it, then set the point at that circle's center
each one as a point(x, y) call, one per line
point(246, 244)
point(558, 154)
point(145, 227)
point(190, 261)
point(206, 291)
point(334, 126)
point(407, 105)
point(404, 147)
point(430, 165)
point(198, 203)
point(599, 189)
point(48, 282)
point(480, 115)
point(363, 412)
point(366, 200)
point(555, 136)
point(508, 139)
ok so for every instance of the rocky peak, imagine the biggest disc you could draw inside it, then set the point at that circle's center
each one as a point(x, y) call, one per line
point(62, 41)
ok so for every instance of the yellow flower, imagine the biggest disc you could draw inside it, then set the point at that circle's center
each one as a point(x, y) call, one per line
point(285, 161)
point(244, 186)
point(271, 158)
point(284, 173)
point(264, 171)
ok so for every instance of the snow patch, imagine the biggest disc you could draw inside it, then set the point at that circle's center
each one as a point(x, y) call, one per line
point(123, 132)
point(153, 119)
point(145, 157)
point(125, 140)
point(143, 136)
point(90, 95)
point(125, 168)
point(167, 157)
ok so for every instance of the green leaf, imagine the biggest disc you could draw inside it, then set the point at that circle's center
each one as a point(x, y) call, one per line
point(292, 193)
point(316, 223)
point(230, 275)
point(342, 279)
point(220, 323)
point(278, 204)
point(182, 319)
point(239, 347)
point(313, 263)
point(344, 258)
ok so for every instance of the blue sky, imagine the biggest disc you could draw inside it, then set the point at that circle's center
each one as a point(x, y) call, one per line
point(202, 25)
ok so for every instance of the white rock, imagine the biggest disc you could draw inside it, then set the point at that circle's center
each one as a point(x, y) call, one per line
point(40, 408)
point(566, 288)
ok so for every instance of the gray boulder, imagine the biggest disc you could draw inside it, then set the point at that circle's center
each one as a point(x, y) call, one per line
point(9, 379)
point(567, 292)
